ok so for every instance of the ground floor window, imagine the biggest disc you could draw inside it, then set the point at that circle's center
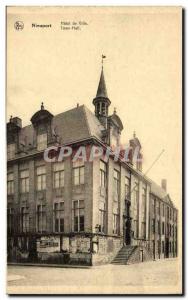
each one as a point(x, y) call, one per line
point(10, 220)
point(24, 219)
point(143, 230)
point(159, 247)
point(102, 220)
point(78, 215)
point(115, 224)
point(59, 216)
point(163, 247)
point(41, 218)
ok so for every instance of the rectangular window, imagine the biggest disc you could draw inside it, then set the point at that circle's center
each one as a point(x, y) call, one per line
point(168, 230)
point(10, 220)
point(163, 209)
point(163, 247)
point(143, 230)
point(157, 208)
point(135, 208)
point(163, 228)
point(115, 224)
point(11, 150)
point(59, 217)
point(159, 247)
point(144, 203)
point(127, 188)
point(135, 228)
point(41, 218)
point(58, 174)
point(78, 215)
point(78, 172)
point(102, 220)
point(24, 222)
point(102, 174)
point(10, 183)
point(153, 225)
point(116, 182)
point(167, 212)
point(24, 181)
point(41, 178)
point(41, 141)
point(159, 227)
point(153, 206)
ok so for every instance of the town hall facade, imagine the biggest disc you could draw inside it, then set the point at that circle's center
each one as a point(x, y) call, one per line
point(83, 212)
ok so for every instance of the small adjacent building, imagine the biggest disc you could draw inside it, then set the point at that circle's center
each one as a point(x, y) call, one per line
point(83, 212)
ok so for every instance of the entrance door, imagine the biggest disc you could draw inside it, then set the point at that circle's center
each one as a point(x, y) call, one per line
point(127, 224)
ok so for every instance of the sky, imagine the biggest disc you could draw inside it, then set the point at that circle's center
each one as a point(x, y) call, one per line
point(142, 69)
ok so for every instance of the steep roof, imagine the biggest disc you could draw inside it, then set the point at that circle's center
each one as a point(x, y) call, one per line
point(102, 91)
point(73, 125)
point(160, 193)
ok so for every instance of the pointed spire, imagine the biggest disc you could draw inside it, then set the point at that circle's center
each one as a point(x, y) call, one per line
point(102, 91)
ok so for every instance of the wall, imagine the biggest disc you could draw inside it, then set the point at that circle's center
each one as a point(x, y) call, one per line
point(105, 249)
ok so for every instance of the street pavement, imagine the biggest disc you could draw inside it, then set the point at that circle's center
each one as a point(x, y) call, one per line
point(161, 276)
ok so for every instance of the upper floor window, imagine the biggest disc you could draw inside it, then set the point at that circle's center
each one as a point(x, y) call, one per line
point(11, 149)
point(41, 178)
point(58, 174)
point(168, 212)
point(24, 181)
point(127, 188)
point(153, 206)
point(59, 216)
point(41, 141)
point(163, 209)
point(157, 207)
point(144, 202)
point(116, 182)
point(78, 172)
point(102, 174)
point(153, 225)
point(136, 198)
point(10, 183)
point(78, 215)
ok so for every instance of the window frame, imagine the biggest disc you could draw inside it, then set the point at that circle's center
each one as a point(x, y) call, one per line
point(78, 213)
point(24, 181)
point(59, 214)
point(10, 183)
point(41, 178)
point(43, 143)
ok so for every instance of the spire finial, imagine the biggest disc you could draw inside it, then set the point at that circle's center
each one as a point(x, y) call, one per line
point(42, 105)
point(11, 118)
point(134, 134)
point(114, 110)
point(103, 56)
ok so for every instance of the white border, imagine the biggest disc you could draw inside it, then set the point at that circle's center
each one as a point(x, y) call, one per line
point(3, 5)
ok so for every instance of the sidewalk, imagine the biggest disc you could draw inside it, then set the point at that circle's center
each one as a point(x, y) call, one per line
point(49, 265)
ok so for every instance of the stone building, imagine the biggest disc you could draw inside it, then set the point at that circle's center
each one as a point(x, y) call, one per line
point(83, 212)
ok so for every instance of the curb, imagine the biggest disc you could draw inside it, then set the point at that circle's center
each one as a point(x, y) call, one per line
point(49, 265)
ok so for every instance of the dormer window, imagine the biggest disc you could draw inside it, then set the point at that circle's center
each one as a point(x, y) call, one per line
point(11, 149)
point(41, 141)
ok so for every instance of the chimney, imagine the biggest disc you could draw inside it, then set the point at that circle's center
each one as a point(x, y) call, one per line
point(164, 184)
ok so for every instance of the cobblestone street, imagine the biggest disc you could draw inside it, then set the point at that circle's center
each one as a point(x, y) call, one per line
point(156, 276)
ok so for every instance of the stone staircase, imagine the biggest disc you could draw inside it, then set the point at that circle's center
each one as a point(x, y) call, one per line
point(123, 255)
